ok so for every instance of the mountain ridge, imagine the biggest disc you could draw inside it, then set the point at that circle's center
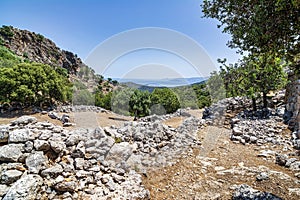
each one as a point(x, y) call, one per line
point(37, 48)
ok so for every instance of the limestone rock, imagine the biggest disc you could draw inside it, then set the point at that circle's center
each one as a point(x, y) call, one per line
point(245, 192)
point(35, 162)
point(24, 120)
point(10, 153)
point(25, 188)
point(41, 145)
point(10, 176)
point(20, 135)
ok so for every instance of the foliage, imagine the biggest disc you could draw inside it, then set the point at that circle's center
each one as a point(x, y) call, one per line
point(120, 101)
point(6, 31)
point(8, 58)
point(215, 85)
point(202, 94)
point(40, 37)
point(253, 24)
point(83, 97)
point(103, 100)
point(255, 74)
point(166, 98)
point(33, 83)
point(186, 96)
point(140, 103)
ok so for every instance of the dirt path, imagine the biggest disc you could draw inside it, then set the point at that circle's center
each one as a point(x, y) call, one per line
point(212, 171)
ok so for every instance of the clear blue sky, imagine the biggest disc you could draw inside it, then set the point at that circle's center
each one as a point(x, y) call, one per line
point(80, 25)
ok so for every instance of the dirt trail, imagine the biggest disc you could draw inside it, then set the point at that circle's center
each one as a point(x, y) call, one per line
point(212, 171)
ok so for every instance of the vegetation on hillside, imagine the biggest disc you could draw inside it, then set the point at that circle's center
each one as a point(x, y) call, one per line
point(269, 31)
point(26, 83)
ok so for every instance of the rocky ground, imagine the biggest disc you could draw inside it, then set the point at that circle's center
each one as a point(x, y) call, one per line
point(176, 156)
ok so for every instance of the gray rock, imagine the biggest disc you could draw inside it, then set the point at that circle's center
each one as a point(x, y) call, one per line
point(295, 166)
point(41, 145)
point(25, 188)
point(57, 145)
point(53, 171)
point(236, 131)
point(66, 186)
point(119, 152)
point(4, 129)
point(79, 163)
point(10, 176)
point(20, 135)
point(53, 115)
point(28, 147)
point(111, 185)
point(65, 118)
point(262, 176)
point(35, 162)
point(281, 159)
point(253, 139)
point(245, 192)
point(79, 152)
point(24, 120)
point(3, 190)
point(74, 139)
point(10, 153)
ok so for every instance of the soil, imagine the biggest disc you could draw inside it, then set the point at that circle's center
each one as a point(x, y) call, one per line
point(196, 176)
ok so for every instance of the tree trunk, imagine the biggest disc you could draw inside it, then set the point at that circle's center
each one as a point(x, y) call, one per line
point(254, 104)
point(265, 102)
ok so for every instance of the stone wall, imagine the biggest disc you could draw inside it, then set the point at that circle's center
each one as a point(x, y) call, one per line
point(292, 112)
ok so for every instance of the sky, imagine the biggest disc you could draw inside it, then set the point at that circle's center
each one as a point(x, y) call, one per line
point(84, 27)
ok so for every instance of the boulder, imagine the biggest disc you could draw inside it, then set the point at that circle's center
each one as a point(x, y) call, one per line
point(25, 188)
point(245, 192)
point(66, 186)
point(20, 135)
point(4, 129)
point(35, 162)
point(119, 152)
point(24, 120)
point(41, 145)
point(53, 171)
point(10, 176)
point(10, 153)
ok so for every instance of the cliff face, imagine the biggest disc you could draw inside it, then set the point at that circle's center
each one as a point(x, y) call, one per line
point(37, 48)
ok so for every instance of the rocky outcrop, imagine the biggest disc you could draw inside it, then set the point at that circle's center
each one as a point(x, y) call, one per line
point(37, 48)
point(292, 112)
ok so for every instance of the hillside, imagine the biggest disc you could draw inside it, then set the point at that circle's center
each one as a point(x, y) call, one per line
point(37, 48)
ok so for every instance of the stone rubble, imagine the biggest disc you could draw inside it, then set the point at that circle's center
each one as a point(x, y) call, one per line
point(39, 160)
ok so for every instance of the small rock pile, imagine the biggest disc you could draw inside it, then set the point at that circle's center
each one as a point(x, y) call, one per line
point(80, 108)
point(223, 111)
point(248, 127)
point(153, 143)
point(245, 192)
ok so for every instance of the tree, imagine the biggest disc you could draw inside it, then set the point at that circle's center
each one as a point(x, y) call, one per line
point(216, 87)
point(140, 103)
point(166, 98)
point(33, 84)
point(258, 26)
point(253, 75)
point(120, 101)
point(103, 100)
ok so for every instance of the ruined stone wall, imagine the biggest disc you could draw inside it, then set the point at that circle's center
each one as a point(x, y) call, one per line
point(292, 112)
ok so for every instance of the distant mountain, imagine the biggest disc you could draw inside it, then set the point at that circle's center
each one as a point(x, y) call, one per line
point(170, 82)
